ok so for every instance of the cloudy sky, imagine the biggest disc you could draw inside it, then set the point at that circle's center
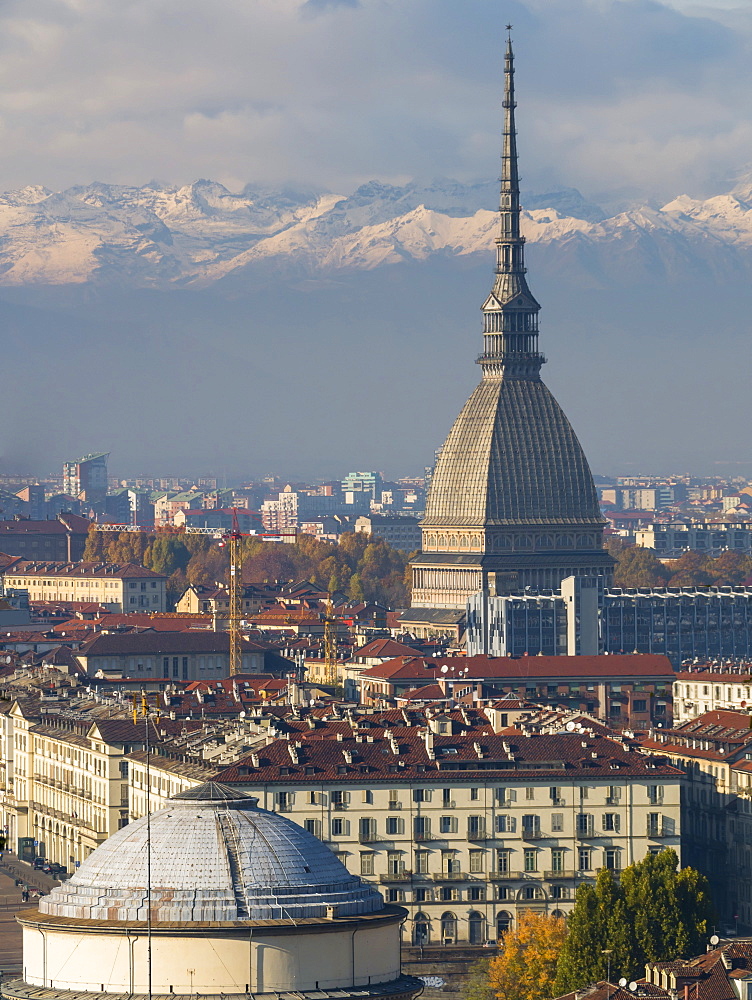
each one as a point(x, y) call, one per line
point(616, 96)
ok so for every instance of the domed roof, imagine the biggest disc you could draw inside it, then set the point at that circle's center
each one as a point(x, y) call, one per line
point(511, 458)
point(214, 856)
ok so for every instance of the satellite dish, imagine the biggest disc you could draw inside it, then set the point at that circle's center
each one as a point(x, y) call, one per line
point(242, 715)
point(633, 986)
point(715, 939)
point(622, 982)
point(570, 727)
point(445, 669)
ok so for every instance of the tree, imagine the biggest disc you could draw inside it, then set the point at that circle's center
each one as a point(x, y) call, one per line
point(639, 567)
point(580, 958)
point(652, 913)
point(690, 571)
point(526, 966)
point(477, 985)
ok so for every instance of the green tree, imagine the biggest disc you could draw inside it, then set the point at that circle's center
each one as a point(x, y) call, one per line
point(581, 954)
point(652, 913)
point(639, 567)
point(477, 985)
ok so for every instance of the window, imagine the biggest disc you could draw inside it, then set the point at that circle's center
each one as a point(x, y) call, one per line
point(447, 894)
point(531, 825)
point(394, 801)
point(655, 794)
point(477, 893)
point(446, 796)
point(339, 798)
point(185, 668)
point(420, 895)
point(505, 823)
point(584, 859)
point(367, 797)
point(313, 826)
point(422, 828)
point(654, 824)
point(448, 824)
point(474, 794)
point(395, 826)
point(611, 859)
point(640, 705)
point(557, 822)
point(421, 862)
point(284, 800)
point(583, 791)
point(584, 825)
point(476, 827)
point(529, 794)
point(366, 862)
point(394, 863)
point(611, 822)
point(476, 862)
point(559, 892)
point(338, 827)
point(557, 860)
point(419, 795)
point(502, 892)
point(531, 860)
point(312, 798)
point(502, 861)
point(395, 896)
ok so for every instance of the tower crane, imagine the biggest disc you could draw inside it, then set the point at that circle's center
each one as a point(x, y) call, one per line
point(330, 643)
point(233, 539)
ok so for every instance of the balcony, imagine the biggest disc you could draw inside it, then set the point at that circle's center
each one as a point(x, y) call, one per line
point(657, 831)
point(339, 805)
point(451, 877)
point(559, 873)
point(422, 837)
point(394, 805)
point(530, 833)
point(368, 838)
point(505, 876)
point(481, 834)
point(396, 877)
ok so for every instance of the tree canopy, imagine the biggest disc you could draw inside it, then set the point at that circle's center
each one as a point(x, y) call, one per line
point(640, 567)
point(525, 968)
point(651, 913)
point(361, 566)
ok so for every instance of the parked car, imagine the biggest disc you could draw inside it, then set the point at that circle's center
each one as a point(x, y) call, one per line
point(39, 863)
point(53, 868)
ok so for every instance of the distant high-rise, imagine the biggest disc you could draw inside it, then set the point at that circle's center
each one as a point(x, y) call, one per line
point(512, 502)
point(86, 478)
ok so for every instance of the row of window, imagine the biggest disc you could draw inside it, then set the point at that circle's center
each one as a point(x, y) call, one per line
point(503, 796)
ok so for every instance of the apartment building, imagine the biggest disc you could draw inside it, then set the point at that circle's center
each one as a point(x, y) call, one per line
point(116, 586)
point(401, 532)
point(715, 752)
point(709, 688)
point(464, 826)
point(62, 538)
point(671, 540)
point(629, 690)
point(65, 781)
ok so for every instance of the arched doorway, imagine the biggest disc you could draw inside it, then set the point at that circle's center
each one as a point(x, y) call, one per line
point(503, 923)
point(448, 928)
point(476, 928)
point(421, 930)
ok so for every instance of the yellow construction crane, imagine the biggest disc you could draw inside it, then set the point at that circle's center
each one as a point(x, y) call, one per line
point(233, 539)
point(330, 643)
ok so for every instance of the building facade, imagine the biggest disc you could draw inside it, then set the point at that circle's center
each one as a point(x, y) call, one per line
point(512, 497)
point(86, 478)
point(117, 586)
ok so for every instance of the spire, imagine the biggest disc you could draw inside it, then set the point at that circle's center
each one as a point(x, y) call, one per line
point(510, 313)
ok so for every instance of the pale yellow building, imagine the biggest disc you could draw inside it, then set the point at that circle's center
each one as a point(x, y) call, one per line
point(118, 586)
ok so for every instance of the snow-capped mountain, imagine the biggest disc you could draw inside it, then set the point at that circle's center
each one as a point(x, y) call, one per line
point(202, 234)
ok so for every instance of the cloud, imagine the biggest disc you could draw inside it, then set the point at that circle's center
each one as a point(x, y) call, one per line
point(613, 94)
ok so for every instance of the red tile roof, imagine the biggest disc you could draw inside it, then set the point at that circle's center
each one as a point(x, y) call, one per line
point(528, 667)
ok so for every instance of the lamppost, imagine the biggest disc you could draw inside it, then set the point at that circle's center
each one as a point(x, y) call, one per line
point(607, 953)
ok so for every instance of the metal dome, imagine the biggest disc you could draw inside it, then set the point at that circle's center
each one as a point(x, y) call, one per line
point(214, 856)
point(512, 458)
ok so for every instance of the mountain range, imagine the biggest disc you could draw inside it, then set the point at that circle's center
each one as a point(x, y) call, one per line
point(201, 235)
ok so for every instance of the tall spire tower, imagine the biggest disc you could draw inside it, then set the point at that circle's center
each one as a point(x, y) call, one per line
point(512, 503)
point(510, 313)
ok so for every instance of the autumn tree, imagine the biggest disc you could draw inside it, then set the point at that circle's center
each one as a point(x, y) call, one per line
point(639, 567)
point(690, 571)
point(525, 968)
